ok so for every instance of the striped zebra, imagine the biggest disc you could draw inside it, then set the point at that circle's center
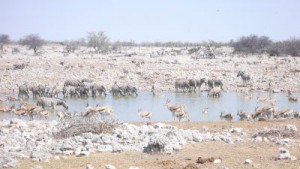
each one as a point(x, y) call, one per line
point(245, 77)
point(51, 102)
point(73, 83)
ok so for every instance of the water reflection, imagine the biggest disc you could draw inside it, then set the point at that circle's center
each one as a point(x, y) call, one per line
point(126, 108)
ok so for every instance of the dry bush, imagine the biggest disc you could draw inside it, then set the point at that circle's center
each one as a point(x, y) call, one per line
point(252, 44)
point(276, 133)
point(33, 42)
point(78, 127)
point(4, 39)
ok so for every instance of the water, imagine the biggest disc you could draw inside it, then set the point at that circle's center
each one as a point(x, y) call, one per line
point(126, 108)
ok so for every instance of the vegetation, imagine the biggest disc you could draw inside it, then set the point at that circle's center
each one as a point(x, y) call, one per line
point(98, 41)
point(255, 44)
point(33, 41)
point(71, 46)
point(4, 39)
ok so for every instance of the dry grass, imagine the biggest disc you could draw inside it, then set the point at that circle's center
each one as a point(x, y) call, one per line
point(75, 129)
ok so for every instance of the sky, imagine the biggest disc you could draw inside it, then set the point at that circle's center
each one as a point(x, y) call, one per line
point(152, 20)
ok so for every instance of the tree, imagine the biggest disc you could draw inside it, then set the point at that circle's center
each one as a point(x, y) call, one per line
point(4, 39)
point(99, 41)
point(71, 46)
point(252, 44)
point(33, 41)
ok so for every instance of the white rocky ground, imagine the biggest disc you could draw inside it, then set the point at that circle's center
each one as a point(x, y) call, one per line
point(144, 67)
point(34, 140)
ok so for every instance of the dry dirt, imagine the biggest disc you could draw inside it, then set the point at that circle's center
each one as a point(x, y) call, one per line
point(143, 67)
point(233, 155)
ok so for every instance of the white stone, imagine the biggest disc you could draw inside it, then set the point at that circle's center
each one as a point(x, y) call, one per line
point(258, 139)
point(248, 161)
point(133, 167)
point(89, 166)
point(217, 161)
point(110, 167)
point(293, 158)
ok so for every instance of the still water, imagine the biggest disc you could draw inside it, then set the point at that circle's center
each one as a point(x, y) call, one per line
point(126, 108)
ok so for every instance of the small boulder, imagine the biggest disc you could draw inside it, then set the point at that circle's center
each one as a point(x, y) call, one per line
point(110, 167)
point(248, 161)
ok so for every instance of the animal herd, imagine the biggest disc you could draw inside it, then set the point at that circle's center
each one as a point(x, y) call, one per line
point(48, 96)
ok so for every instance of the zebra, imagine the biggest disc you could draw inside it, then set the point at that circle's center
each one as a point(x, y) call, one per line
point(183, 84)
point(215, 92)
point(131, 90)
point(196, 83)
point(245, 77)
point(73, 83)
point(214, 83)
point(23, 91)
point(51, 102)
point(96, 88)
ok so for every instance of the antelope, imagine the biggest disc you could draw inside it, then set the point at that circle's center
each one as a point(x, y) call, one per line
point(245, 116)
point(262, 99)
point(104, 110)
point(33, 110)
point(60, 115)
point(226, 116)
point(144, 114)
point(88, 114)
point(1, 100)
point(44, 113)
point(291, 97)
point(175, 109)
point(18, 112)
point(12, 98)
point(184, 115)
point(205, 110)
point(4, 109)
point(284, 113)
point(264, 111)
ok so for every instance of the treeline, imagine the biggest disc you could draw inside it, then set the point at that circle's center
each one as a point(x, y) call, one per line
point(101, 43)
point(254, 44)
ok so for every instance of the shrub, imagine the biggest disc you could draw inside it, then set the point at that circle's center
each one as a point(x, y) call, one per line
point(99, 41)
point(252, 44)
point(33, 41)
point(71, 46)
point(77, 128)
point(4, 39)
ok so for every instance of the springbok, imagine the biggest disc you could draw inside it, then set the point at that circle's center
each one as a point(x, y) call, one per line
point(267, 111)
point(104, 110)
point(262, 99)
point(227, 116)
point(245, 77)
point(245, 116)
point(145, 114)
point(205, 110)
point(184, 115)
point(19, 112)
point(284, 113)
point(291, 97)
point(60, 116)
point(44, 113)
point(4, 109)
point(175, 109)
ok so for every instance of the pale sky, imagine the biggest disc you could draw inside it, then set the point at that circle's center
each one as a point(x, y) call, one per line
point(152, 20)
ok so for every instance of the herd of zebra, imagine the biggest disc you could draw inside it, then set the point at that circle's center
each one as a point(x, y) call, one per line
point(86, 88)
point(215, 86)
point(74, 88)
